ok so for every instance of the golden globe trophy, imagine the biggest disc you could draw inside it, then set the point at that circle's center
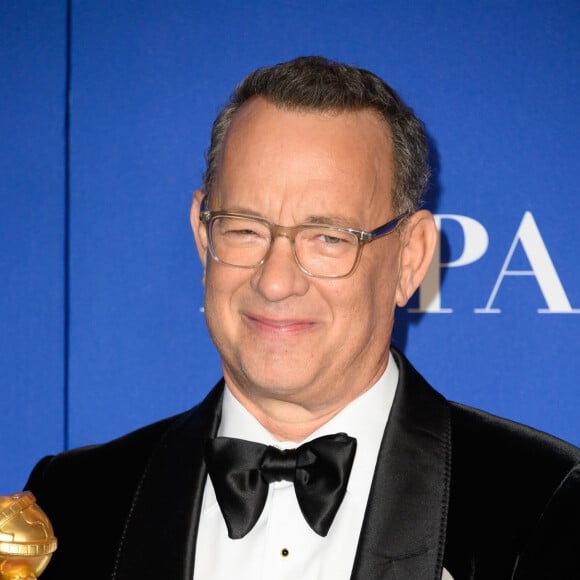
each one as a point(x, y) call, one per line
point(26, 537)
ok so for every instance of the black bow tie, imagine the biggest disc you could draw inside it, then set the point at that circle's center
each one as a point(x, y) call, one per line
point(241, 471)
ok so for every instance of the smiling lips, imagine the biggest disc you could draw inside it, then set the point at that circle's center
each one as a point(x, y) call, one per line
point(278, 326)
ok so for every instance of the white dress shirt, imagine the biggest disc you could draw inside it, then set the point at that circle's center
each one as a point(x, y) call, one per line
point(282, 546)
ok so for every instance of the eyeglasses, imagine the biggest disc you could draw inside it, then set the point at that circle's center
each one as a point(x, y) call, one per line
point(322, 251)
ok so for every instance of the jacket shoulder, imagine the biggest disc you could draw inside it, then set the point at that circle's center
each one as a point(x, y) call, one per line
point(86, 493)
point(89, 492)
point(92, 465)
point(116, 463)
point(493, 439)
point(505, 478)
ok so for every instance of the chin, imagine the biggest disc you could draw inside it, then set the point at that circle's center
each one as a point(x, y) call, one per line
point(277, 384)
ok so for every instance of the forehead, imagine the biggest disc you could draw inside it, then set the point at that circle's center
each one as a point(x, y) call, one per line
point(316, 155)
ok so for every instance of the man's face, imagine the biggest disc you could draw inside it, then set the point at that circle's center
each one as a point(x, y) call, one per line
point(282, 334)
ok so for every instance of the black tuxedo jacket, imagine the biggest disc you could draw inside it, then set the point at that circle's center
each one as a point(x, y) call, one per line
point(455, 487)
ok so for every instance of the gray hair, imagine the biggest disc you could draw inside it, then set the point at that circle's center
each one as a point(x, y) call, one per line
point(318, 84)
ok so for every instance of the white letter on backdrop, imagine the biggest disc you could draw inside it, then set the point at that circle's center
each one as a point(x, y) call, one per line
point(542, 268)
point(475, 242)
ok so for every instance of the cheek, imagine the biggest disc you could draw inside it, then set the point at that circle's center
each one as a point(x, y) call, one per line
point(374, 299)
point(221, 286)
point(350, 302)
point(223, 280)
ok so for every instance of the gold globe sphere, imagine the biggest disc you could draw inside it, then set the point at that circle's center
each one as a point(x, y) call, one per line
point(27, 539)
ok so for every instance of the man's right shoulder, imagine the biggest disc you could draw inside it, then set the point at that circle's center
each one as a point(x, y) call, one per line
point(98, 465)
point(118, 458)
point(113, 467)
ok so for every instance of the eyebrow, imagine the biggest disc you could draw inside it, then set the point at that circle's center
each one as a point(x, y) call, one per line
point(332, 220)
point(329, 220)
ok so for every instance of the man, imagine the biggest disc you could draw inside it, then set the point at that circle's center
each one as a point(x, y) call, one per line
point(310, 234)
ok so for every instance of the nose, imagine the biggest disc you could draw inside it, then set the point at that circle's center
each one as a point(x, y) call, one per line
point(280, 277)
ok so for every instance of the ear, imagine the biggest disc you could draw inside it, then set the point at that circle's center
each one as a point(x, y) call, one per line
point(199, 229)
point(418, 243)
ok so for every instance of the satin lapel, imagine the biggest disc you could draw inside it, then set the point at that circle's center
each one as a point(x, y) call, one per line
point(160, 534)
point(403, 535)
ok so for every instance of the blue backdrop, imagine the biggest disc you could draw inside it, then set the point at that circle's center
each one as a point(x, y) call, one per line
point(105, 115)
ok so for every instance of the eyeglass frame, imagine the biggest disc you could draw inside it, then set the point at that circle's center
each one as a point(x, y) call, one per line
point(363, 237)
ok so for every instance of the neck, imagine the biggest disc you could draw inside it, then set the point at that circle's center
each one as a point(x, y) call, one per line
point(292, 412)
point(290, 418)
point(288, 421)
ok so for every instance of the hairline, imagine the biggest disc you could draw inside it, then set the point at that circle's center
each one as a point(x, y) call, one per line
point(232, 109)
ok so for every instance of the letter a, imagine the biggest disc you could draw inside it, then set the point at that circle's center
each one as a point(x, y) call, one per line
point(542, 268)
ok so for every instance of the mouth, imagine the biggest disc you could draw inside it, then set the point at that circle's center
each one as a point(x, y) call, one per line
point(278, 326)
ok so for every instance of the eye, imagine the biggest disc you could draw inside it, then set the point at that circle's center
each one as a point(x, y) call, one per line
point(240, 232)
point(328, 242)
point(330, 239)
point(237, 231)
